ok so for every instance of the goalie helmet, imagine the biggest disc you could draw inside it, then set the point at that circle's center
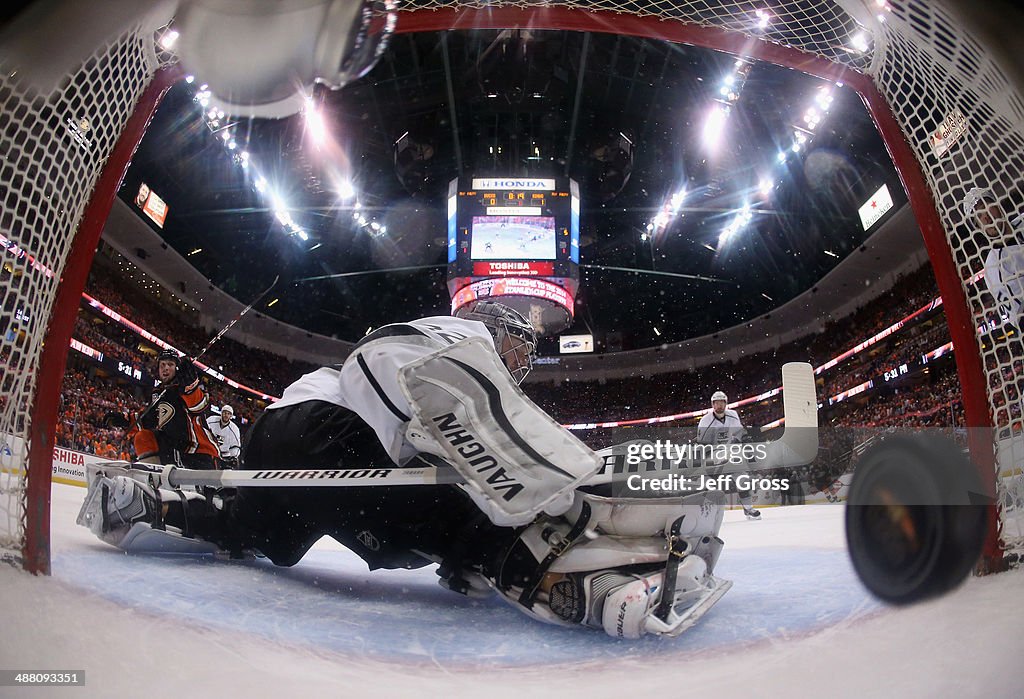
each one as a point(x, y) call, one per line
point(504, 322)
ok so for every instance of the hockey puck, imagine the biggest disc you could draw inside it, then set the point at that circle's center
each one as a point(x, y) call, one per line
point(915, 518)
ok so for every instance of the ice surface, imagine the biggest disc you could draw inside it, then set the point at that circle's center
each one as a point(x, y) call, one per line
point(796, 623)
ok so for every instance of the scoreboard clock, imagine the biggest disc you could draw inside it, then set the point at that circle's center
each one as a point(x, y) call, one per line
point(516, 239)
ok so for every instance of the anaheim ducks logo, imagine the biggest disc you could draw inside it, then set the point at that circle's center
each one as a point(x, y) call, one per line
point(164, 413)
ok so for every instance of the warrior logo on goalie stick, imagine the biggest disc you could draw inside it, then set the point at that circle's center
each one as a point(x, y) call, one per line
point(470, 449)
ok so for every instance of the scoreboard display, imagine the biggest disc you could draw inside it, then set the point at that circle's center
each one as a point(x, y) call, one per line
point(516, 238)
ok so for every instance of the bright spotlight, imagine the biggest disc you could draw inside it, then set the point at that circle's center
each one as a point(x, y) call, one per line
point(715, 124)
point(169, 39)
point(345, 189)
point(315, 124)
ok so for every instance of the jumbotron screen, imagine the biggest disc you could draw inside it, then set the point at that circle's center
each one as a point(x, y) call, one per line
point(512, 238)
point(523, 232)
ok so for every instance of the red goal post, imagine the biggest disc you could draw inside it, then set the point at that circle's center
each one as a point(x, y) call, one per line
point(920, 66)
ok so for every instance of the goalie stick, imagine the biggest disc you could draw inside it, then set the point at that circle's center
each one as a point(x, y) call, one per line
point(797, 446)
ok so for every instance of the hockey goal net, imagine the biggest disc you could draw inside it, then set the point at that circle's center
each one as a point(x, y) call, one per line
point(951, 115)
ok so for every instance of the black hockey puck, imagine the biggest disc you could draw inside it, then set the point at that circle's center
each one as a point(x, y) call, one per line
point(915, 517)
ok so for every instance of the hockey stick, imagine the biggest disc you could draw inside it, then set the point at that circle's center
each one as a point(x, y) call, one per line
point(797, 446)
point(211, 343)
point(230, 325)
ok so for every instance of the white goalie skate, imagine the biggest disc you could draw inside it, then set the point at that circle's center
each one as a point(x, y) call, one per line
point(637, 608)
point(630, 567)
point(124, 509)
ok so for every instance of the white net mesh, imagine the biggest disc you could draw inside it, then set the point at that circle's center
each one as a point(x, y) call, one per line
point(932, 73)
point(53, 150)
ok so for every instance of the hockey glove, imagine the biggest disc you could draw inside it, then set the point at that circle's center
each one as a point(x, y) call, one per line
point(187, 375)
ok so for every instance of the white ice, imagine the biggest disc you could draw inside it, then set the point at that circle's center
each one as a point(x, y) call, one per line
point(796, 623)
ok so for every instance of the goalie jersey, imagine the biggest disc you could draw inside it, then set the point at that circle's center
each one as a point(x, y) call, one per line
point(367, 382)
point(720, 430)
point(1004, 276)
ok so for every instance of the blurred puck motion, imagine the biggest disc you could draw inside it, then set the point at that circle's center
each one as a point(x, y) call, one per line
point(915, 517)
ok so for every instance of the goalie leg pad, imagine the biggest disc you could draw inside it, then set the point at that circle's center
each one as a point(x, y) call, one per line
point(113, 505)
point(516, 460)
point(645, 517)
point(142, 538)
point(615, 582)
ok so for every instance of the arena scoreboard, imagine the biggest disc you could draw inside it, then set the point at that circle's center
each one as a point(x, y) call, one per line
point(516, 240)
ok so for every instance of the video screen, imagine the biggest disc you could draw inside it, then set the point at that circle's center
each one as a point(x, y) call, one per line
point(513, 238)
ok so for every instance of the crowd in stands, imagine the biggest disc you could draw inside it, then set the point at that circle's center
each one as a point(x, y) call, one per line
point(261, 370)
point(84, 405)
point(925, 400)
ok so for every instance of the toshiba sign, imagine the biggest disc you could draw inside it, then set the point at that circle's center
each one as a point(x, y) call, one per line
point(513, 183)
point(500, 269)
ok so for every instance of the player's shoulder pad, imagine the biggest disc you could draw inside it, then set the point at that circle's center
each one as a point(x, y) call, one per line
point(729, 412)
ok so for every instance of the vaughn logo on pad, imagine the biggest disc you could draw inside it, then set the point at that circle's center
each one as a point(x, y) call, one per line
point(475, 454)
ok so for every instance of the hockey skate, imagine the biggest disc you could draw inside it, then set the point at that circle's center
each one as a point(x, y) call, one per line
point(626, 566)
point(124, 510)
point(751, 513)
point(641, 606)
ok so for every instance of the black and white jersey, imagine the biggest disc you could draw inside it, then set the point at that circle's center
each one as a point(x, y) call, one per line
point(367, 383)
point(1004, 276)
point(228, 439)
point(727, 429)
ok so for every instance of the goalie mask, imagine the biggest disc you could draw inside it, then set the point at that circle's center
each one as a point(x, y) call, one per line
point(514, 338)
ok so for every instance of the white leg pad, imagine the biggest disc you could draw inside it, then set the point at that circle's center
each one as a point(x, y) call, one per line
point(516, 460)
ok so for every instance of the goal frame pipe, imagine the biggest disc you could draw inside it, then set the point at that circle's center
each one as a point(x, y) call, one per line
point(968, 358)
point(970, 368)
point(54, 356)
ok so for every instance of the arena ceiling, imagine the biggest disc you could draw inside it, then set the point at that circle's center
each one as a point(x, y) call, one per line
point(628, 118)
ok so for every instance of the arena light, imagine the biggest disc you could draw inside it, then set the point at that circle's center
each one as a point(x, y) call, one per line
point(315, 124)
point(763, 18)
point(677, 200)
point(168, 40)
point(736, 225)
point(859, 42)
point(346, 190)
point(714, 125)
